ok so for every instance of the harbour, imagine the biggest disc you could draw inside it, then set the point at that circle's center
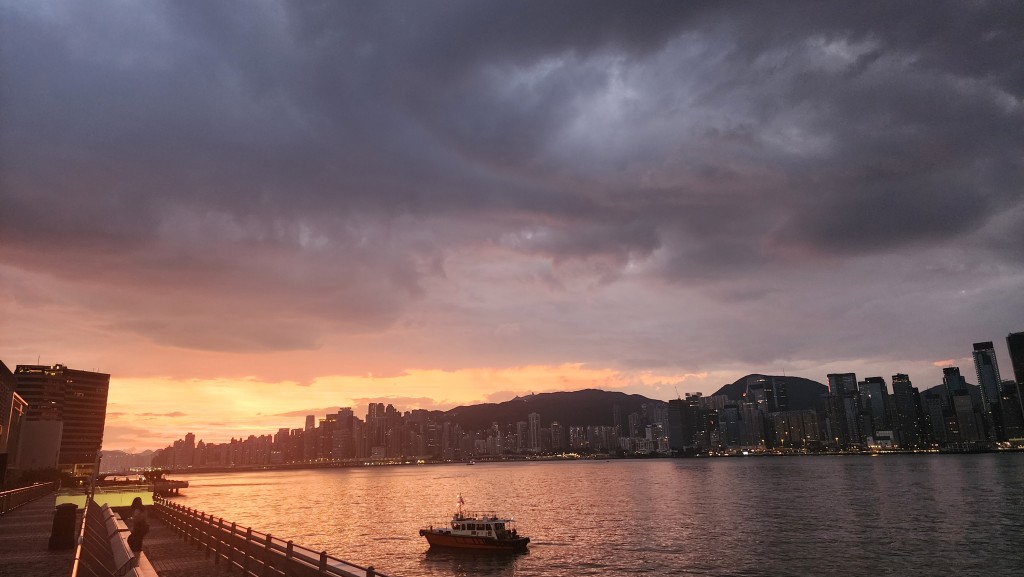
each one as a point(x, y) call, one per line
point(842, 515)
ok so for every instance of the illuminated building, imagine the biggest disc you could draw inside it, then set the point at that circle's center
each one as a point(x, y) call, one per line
point(75, 399)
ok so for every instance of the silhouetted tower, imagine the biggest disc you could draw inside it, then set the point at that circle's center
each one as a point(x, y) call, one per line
point(904, 397)
point(844, 408)
point(988, 373)
point(1015, 343)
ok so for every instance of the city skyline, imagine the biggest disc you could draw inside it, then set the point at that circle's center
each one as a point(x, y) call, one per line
point(246, 217)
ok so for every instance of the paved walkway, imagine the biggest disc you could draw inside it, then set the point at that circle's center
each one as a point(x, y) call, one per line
point(172, 557)
point(24, 541)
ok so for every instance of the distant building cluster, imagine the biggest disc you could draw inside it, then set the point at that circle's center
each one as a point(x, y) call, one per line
point(853, 415)
point(51, 417)
point(388, 434)
point(862, 414)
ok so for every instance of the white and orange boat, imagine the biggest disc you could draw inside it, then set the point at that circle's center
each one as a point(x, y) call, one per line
point(476, 531)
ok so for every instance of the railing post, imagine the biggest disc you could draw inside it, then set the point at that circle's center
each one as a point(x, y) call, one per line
point(288, 550)
point(218, 544)
point(268, 553)
point(247, 551)
point(323, 562)
point(370, 572)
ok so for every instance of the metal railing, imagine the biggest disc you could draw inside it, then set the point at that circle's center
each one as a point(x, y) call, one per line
point(11, 500)
point(252, 552)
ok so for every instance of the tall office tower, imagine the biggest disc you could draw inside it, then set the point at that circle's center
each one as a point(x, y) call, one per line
point(617, 418)
point(683, 423)
point(768, 392)
point(844, 408)
point(558, 440)
point(874, 397)
point(953, 382)
point(906, 410)
point(1015, 343)
point(376, 426)
point(522, 437)
point(69, 406)
point(534, 431)
point(1013, 416)
point(310, 422)
point(988, 373)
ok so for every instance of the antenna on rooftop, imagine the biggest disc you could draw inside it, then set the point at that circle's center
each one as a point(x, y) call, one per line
point(677, 392)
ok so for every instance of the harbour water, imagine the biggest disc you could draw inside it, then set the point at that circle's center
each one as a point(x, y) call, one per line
point(772, 516)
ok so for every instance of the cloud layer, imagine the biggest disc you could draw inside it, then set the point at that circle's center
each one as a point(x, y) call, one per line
point(289, 190)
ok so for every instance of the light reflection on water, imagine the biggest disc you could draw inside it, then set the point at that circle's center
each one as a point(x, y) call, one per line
point(893, 515)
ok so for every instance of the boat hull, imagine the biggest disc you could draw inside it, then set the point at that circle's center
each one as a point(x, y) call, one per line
point(447, 540)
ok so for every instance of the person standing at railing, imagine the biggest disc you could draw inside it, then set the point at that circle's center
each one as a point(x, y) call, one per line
point(140, 525)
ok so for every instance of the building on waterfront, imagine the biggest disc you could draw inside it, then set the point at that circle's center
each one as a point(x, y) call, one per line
point(683, 423)
point(874, 399)
point(65, 405)
point(906, 410)
point(953, 381)
point(844, 409)
point(987, 370)
point(1015, 344)
point(533, 432)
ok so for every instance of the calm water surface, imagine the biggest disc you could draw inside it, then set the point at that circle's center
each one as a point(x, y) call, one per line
point(890, 515)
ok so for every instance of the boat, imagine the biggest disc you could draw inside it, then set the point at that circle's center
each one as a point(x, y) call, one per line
point(476, 531)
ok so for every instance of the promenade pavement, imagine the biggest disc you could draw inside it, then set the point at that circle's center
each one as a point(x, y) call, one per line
point(172, 557)
point(24, 541)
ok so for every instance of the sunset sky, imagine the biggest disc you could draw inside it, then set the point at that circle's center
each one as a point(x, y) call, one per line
point(247, 212)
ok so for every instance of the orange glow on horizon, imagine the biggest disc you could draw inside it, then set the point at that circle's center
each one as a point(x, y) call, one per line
point(218, 409)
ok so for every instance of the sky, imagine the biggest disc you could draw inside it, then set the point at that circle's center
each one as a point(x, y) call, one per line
point(247, 212)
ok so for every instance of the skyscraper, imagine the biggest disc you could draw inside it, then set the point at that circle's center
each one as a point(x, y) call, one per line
point(953, 382)
point(905, 400)
point(75, 399)
point(1015, 343)
point(844, 408)
point(874, 396)
point(988, 373)
point(534, 431)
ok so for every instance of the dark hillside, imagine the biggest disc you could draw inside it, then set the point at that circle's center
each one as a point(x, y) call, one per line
point(586, 407)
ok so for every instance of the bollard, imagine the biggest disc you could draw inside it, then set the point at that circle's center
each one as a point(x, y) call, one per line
point(62, 532)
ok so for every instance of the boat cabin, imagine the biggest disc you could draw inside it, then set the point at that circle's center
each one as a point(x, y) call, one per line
point(482, 525)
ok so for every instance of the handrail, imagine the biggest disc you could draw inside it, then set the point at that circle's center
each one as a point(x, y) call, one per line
point(11, 500)
point(252, 551)
point(80, 540)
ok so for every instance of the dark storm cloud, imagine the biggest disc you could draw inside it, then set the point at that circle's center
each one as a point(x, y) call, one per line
point(242, 177)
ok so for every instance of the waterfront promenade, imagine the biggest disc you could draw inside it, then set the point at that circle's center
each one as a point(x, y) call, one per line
point(24, 537)
point(173, 557)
